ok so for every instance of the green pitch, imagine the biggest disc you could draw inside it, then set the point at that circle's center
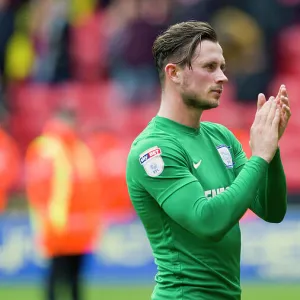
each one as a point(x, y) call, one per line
point(251, 292)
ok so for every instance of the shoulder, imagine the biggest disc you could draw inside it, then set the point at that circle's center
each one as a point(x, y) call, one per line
point(160, 150)
point(152, 137)
point(160, 143)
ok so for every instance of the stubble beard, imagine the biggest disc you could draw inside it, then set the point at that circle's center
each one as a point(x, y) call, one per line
point(192, 100)
point(203, 104)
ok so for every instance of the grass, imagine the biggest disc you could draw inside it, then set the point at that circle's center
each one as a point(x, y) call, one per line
point(250, 292)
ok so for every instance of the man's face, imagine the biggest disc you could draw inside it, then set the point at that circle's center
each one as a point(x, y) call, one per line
point(201, 87)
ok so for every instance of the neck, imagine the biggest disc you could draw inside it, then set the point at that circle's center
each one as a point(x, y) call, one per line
point(172, 107)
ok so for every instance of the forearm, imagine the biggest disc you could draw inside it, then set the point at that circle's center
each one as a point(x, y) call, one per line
point(271, 201)
point(213, 218)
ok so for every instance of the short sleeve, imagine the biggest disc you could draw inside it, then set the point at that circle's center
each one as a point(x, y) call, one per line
point(158, 166)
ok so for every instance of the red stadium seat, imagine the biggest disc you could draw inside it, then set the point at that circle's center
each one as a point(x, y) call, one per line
point(288, 51)
point(292, 85)
point(290, 149)
point(30, 109)
point(88, 46)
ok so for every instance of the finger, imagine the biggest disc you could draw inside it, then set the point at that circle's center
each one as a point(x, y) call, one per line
point(262, 109)
point(287, 111)
point(262, 114)
point(279, 92)
point(283, 91)
point(284, 101)
point(261, 100)
point(272, 110)
point(276, 119)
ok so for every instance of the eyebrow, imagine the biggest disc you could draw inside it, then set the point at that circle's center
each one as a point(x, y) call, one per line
point(223, 64)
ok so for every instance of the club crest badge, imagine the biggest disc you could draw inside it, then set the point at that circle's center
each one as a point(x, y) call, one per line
point(225, 155)
point(152, 161)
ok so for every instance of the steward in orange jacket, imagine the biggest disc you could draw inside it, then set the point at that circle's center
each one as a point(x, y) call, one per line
point(63, 193)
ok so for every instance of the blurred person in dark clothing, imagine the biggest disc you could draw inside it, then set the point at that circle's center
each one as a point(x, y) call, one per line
point(7, 19)
point(50, 31)
point(131, 62)
point(103, 3)
point(7, 28)
point(193, 10)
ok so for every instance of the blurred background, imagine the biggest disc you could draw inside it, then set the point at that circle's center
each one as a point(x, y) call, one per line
point(93, 57)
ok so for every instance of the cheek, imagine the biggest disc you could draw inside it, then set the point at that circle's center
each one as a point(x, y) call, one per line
point(204, 76)
point(186, 80)
point(201, 80)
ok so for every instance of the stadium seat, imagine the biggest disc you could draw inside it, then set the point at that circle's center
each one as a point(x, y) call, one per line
point(111, 153)
point(88, 49)
point(288, 51)
point(29, 110)
point(292, 85)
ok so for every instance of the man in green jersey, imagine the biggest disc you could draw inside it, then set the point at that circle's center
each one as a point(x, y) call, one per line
point(190, 182)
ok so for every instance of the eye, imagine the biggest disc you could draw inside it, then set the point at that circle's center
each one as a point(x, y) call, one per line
point(211, 67)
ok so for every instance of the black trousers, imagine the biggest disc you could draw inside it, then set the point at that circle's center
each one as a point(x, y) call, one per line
point(63, 278)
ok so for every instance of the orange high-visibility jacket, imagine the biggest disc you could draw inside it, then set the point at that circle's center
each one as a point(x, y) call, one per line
point(63, 192)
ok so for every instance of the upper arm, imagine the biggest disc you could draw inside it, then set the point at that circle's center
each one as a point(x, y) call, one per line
point(160, 167)
point(163, 170)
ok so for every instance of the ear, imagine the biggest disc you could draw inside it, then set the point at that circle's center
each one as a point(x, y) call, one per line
point(173, 72)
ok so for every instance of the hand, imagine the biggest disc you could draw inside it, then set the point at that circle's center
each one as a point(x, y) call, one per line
point(285, 114)
point(264, 130)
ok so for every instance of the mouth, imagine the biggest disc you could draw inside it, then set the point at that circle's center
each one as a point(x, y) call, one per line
point(218, 91)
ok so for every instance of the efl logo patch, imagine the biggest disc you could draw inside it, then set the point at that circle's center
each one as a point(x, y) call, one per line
point(225, 155)
point(152, 161)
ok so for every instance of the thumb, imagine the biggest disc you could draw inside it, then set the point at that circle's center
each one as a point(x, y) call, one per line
point(261, 100)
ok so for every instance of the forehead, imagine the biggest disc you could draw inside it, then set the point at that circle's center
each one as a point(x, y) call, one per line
point(208, 51)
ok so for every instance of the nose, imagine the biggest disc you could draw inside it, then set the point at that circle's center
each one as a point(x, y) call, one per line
point(221, 77)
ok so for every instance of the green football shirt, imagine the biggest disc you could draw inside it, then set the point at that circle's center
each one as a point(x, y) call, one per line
point(184, 185)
